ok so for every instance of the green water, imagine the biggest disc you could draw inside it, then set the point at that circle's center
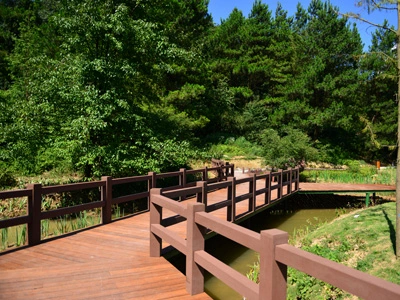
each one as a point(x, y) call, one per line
point(240, 258)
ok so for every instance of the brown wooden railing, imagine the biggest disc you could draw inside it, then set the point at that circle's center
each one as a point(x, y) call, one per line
point(272, 245)
point(285, 182)
point(36, 192)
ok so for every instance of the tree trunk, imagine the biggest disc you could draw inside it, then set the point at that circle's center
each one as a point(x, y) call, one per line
point(398, 136)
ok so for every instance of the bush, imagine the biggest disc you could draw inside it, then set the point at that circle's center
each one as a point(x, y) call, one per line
point(7, 180)
point(289, 150)
point(235, 147)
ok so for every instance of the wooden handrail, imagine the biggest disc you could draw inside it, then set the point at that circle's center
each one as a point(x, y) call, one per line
point(229, 276)
point(35, 192)
point(353, 281)
point(275, 256)
point(15, 194)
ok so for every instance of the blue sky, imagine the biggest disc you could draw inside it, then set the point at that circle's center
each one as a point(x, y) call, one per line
point(220, 9)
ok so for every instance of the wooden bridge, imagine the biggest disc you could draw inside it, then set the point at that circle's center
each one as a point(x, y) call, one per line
point(113, 260)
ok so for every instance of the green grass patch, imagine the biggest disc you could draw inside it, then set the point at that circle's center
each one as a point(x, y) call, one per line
point(233, 147)
point(363, 240)
point(364, 174)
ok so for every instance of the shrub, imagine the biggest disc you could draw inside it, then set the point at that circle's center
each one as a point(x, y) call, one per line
point(7, 179)
point(289, 150)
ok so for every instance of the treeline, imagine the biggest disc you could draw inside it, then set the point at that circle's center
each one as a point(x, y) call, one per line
point(123, 87)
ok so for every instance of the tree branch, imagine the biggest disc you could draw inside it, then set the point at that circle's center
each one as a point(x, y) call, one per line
point(378, 6)
point(384, 56)
point(358, 17)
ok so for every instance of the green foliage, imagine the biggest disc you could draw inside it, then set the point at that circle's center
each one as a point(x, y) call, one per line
point(290, 150)
point(103, 87)
point(357, 240)
point(357, 174)
point(363, 240)
point(235, 147)
point(93, 68)
point(379, 66)
point(7, 179)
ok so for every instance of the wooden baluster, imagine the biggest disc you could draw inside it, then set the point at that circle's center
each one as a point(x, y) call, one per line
point(252, 190)
point(280, 185)
point(153, 179)
point(202, 197)
point(149, 187)
point(195, 242)
point(35, 210)
point(273, 275)
point(268, 182)
point(231, 209)
point(182, 182)
point(106, 197)
point(155, 218)
point(205, 174)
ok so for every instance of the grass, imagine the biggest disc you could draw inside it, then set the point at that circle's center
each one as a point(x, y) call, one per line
point(364, 174)
point(70, 223)
point(13, 237)
point(363, 239)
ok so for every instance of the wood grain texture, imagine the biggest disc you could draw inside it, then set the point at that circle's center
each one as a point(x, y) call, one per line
point(106, 262)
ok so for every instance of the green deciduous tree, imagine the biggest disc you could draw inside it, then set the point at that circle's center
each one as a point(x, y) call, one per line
point(292, 148)
point(393, 6)
point(82, 80)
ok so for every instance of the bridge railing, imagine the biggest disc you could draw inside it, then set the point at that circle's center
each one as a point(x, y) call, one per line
point(272, 245)
point(36, 193)
point(284, 182)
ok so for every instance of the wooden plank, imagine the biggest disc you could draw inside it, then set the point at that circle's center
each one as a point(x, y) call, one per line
point(110, 261)
point(306, 187)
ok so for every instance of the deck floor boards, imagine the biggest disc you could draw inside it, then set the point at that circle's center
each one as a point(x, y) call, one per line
point(105, 262)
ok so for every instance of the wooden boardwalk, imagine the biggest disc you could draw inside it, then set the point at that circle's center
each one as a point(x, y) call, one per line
point(106, 262)
point(307, 187)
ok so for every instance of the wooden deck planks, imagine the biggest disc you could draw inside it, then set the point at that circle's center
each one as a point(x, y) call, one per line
point(344, 187)
point(106, 262)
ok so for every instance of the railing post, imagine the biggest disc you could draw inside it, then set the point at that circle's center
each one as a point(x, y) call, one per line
point(294, 172)
point(268, 182)
point(231, 209)
point(297, 178)
point(35, 210)
point(252, 190)
point(202, 197)
point(182, 181)
point(106, 197)
point(153, 179)
point(195, 242)
point(280, 185)
point(149, 187)
point(232, 170)
point(205, 174)
point(220, 172)
point(289, 190)
point(226, 169)
point(155, 218)
point(273, 275)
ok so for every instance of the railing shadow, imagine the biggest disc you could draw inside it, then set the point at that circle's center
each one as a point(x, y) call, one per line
point(392, 231)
